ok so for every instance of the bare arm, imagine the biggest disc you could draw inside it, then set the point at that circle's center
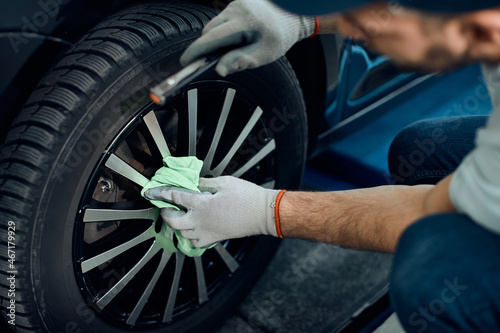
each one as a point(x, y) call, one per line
point(370, 219)
point(328, 24)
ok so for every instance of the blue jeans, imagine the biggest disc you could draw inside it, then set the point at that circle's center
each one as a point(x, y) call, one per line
point(429, 150)
point(446, 270)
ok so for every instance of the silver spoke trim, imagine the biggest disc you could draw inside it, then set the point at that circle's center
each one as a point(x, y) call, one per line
point(101, 215)
point(118, 287)
point(121, 167)
point(93, 262)
point(217, 171)
point(149, 289)
point(155, 130)
point(228, 259)
point(266, 150)
point(174, 288)
point(200, 278)
point(228, 102)
point(192, 119)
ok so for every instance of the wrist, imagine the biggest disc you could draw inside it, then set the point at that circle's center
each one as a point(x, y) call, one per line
point(267, 224)
point(328, 24)
point(309, 26)
point(277, 220)
point(316, 27)
point(294, 27)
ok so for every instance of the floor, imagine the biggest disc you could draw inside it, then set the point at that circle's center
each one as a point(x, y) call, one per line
point(315, 287)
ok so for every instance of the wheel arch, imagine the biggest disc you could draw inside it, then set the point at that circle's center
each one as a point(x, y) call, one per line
point(308, 61)
point(31, 49)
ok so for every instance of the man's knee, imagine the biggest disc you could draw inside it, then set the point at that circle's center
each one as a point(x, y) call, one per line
point(442, 273)
point(428, 150)
point(412, 284)
point(414, 148)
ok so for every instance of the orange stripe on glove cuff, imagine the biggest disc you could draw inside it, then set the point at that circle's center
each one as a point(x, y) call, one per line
point(277, 213)
point(316, 27)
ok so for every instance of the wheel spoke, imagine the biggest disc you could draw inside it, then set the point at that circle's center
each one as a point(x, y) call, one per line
point(200, 277)
point(154, 128)
point(122, 168)
point(270, 184)
point(91, 263)
point(228, 102)
point(266, 150)
point(118, 287)
point(102, 215)
point(192, 120)
point(228, 259)
point(217, 171)
point(169, 310)
point(145, 296)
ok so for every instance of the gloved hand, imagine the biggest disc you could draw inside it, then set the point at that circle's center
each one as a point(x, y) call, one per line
point(226, 208)
point(267, 31)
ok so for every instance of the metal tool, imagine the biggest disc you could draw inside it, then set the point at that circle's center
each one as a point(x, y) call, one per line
point(174, 84)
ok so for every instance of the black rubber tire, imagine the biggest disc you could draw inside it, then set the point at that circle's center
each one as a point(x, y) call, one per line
point(41, 179)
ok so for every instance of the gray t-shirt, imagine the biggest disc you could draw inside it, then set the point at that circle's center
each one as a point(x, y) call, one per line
point(475, 187)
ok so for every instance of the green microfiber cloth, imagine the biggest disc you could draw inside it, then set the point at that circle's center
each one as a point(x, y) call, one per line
point(181, 172)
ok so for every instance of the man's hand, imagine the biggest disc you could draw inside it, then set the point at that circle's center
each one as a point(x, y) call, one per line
point(226, 208)
point(264, 32)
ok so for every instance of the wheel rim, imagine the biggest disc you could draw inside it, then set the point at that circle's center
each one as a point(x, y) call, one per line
point(126, 262)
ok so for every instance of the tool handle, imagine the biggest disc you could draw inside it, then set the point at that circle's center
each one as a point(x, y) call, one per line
point(173, 84)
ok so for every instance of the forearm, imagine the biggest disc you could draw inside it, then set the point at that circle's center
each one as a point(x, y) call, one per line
point(328, 24)
point(369, 219)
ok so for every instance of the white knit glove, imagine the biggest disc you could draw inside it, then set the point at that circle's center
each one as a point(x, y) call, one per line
point(266, 32)
point(226, 208)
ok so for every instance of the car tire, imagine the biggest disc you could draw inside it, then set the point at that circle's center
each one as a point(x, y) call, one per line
point(63, 158)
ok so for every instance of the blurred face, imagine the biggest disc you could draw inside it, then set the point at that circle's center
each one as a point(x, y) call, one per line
point(418, 41)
